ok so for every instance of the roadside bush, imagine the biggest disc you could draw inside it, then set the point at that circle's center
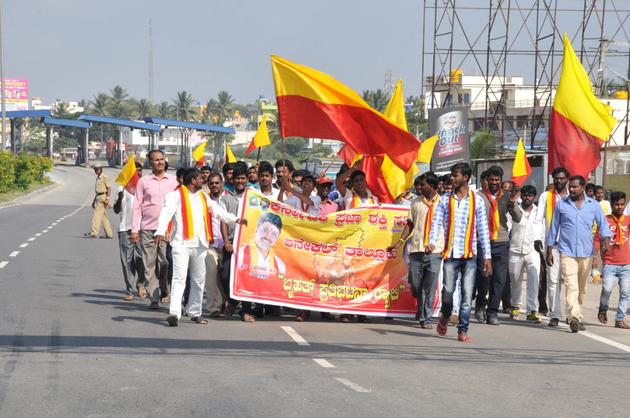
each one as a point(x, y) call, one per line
point(20, 171)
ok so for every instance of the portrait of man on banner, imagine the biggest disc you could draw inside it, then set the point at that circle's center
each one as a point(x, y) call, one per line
point(257, 259)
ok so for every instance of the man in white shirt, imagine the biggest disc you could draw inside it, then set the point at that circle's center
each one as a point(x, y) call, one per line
point(265, 180)
point(191, 211)
point(524, 260)
point(359, 195)
point(544, 213)
point(130, 252)
point(303, 200)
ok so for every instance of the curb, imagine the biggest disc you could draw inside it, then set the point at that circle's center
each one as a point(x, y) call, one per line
point(19, 199)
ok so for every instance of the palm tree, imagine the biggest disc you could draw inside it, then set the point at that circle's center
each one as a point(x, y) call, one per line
point(184, 107)
point(99, 103)
point(165, 110)
point(85, 105)
point(211, 112)
point(225, 105)
point(144, 108)
point(483, 145)
point(61, 110)
point(377, 99)
point(119, 103)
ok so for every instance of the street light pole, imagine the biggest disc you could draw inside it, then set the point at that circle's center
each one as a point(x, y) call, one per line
point(2, 89)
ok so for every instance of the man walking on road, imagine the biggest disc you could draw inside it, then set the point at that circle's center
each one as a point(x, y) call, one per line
point(192, 213)
point(150, 193)
point(617, 262)
point(544, 213)
point(461, 214)
point(130, 252)
point(498, 205)
point(571, 232)
point(103, 191)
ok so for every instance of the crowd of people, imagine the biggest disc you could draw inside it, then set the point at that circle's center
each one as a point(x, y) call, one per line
point(176, 240)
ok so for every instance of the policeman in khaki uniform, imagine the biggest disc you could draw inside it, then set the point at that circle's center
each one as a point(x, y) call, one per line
point(103, 190)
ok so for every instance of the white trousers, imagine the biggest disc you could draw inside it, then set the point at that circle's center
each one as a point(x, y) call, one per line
point(554, 288)
point(524, 266)
point(185, 259)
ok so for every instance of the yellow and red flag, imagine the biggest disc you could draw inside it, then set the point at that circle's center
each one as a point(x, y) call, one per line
point(261, 139)
point(521, 168)
point(229, 155)
point(199, 154)
point(313, 104)
point(580, 122)
point(128, 176)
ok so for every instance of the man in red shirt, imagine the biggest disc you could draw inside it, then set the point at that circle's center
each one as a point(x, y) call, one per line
point(617, 262)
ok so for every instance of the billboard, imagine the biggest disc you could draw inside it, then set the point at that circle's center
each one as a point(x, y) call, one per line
point(16, 94)
point(453, 146)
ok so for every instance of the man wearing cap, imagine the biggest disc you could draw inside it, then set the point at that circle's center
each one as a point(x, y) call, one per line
point(326, 205)
point(100, 204)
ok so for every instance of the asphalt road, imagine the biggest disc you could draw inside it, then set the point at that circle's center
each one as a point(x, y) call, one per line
point(70, 346)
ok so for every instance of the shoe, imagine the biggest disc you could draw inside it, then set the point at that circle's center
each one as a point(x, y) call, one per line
point(229, 310)
point(463, 337)
point(582, 327)
point(507, 310)
point(128, 296)
point(89, 235)
point(172, 320)
point(105, 237)
point(602, 316)
point(574, 324)
point(426, 325)
point(154, 306)
point(454, 320)
point(442, 325)
point(533, 317)
point(493, 320)
point(622, 325)
point(480, 315)
point(301, 317)
point(345, 319)
point(554, 322)
point(215, 314)
point(515, 314)
point(199, 320)
point(166, 299)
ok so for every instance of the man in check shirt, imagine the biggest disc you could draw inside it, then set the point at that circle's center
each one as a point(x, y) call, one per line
point(192, 212)
point(461, 215)
point(150, 193)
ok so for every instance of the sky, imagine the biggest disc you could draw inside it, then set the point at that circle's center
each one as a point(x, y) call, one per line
point(75, 49)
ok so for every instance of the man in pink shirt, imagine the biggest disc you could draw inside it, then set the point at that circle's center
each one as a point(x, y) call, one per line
point(323, 189)
point(150, 193)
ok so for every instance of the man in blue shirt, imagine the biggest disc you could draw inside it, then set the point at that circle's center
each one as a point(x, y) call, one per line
point(572, 233)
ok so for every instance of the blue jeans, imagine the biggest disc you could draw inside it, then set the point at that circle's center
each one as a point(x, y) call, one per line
point(424, 270)
point(452, 269)
point(614, 274)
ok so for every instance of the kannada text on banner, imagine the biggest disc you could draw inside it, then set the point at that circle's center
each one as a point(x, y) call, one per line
point(337, 263)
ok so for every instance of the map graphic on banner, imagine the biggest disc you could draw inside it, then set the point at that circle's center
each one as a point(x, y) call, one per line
point(337, 263)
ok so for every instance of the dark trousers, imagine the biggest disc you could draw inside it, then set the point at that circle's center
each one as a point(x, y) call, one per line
point(424, 270)
point(490, 290)
point(226, 262)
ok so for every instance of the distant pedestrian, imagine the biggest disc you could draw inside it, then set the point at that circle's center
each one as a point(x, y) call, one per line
point(103, 191)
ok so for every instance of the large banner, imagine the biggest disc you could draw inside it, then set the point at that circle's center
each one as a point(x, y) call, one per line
point(453, 146)
point(337, 263)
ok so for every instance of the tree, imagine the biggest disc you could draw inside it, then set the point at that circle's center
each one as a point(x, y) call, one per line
point(221, 109)
point(118, 105)
point(483, 145)
point(99, 103)
point(377, 99)
point(85, 105)
point(165, 110)
point(184, 107)
point(144, 108)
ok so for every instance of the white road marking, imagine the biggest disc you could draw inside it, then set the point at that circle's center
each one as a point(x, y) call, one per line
point(352, 385)
point(31, 239)
point(24, 245)
point(606, 341)
point(53, 224)
point(44, 231)
point(294, 335)
point(324, 363)
point(2, 264)
point(14, 254)
point(39, 234)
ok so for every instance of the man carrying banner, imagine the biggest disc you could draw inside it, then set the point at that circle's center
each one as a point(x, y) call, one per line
point(360, 195)
point(192, 213)
point(461, 214)
point(544, 212)
point(498, 204)
point(571, 233)
point(424, 265)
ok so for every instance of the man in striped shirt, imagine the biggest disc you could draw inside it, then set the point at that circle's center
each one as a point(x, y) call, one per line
point(462, 217)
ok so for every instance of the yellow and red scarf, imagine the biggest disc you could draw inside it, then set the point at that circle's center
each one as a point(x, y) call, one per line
point(429, 218)
point(619, 238)
point(188, 229)
point(470, 226)
point(551, 205)
point(493, 214)
point(356, 201)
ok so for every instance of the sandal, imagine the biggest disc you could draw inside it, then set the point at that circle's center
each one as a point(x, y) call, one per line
point(199, 320)
point(248, 318)
point(166, 299)
point(602, 317)
point(142, 292)
point(442, 325)
point(463, 337)
point(128, 296)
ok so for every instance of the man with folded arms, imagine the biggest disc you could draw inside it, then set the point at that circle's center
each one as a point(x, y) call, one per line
point(192, 212)
point(617, 262)
point(571, 232)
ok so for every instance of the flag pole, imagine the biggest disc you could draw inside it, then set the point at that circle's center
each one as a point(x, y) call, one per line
point(258, 156)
